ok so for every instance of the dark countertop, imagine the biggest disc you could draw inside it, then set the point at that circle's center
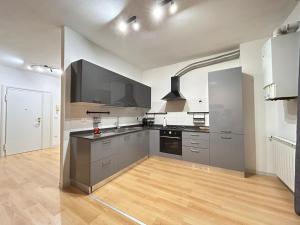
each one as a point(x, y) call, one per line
point(112, 132)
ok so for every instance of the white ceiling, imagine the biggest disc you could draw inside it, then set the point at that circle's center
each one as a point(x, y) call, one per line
point(30, 29)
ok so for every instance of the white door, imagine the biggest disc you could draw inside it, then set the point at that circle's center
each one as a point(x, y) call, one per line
point(23, 121)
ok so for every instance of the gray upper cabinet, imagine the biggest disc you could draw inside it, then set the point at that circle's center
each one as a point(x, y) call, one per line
point(94, 84)
point(226, 101)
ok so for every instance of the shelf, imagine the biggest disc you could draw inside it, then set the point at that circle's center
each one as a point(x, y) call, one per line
point(94, 112)
point(160, 113)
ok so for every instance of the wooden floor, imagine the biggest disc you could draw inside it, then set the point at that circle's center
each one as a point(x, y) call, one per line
point(158, 192)
point(29, 194)
point(163, 192)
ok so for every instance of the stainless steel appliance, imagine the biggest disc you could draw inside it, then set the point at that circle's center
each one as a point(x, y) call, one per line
point(171, 141)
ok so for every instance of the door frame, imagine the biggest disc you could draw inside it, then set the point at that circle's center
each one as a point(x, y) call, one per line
point(3, 114)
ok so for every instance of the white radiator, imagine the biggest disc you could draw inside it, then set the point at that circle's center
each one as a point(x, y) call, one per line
point(284, 160)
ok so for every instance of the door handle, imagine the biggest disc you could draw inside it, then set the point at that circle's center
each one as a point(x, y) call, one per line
point(226, 131)
point(106, 163)
point(170, 137)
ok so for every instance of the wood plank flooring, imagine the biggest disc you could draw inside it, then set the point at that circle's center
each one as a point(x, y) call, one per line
point(162, 192)
point(29, 194)
point(157, 192)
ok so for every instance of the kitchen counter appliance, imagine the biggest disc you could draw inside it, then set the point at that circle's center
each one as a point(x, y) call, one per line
point(171, 141)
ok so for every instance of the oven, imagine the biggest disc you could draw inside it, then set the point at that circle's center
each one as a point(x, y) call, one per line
point(171, 142)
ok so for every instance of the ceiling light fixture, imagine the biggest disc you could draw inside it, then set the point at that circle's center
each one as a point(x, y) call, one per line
point(136, 26)
point(173, 7)
point(158, 10)
point(45, 68)
point(123, 25)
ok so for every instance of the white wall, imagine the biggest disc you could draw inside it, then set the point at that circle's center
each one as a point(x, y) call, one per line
point(74, 118)
point(194, 87)
point(12, 77)
point(259, 157)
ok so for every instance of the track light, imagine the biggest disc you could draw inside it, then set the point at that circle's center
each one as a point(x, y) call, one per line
point(157, 12)
point(123, 25)
point(173, 7)
point(136, 26)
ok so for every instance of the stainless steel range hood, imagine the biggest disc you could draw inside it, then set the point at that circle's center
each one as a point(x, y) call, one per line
point(175, 94)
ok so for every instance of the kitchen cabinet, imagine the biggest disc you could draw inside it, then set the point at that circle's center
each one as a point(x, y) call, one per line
point(94, 84)
point(94, 161)
point(226, 101)
point(154, 142)
point(226, 120)
point(195, 147)
point(227, 151)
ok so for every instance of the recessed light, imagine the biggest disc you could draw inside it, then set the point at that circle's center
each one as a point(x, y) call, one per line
point(29, 67)
point(173, 7)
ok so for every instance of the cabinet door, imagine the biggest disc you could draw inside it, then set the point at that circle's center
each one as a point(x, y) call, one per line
point(227, 151)
point(104, 148)
point(195, 154)
point(154, 142)
point(226, 101)
point(95, 87)
point(121, 92)
point(143, 141)
point(103, 168)
point(142, 95)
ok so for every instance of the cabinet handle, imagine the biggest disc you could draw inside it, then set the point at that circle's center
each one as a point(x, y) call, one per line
point(226, 131)
point(195, 135)
point(106, 142)
point(106, 163)
point(193, 150)
point(227, 138)
point(195, 143)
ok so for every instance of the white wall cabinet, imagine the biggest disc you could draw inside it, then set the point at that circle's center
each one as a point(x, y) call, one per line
point(280, 57)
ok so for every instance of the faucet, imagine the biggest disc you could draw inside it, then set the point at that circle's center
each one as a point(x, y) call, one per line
point(96, 121)
point(118, 123)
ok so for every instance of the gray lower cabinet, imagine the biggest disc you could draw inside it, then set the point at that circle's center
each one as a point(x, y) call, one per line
point(197, 155)
point(103, 168)
point(154, 142)
point(227, 151)
point(93, 161)
point(195, 147)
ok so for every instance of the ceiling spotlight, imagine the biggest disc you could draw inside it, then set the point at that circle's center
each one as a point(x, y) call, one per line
point(173, 7)
point(29, 67)
point(157, 12)
point(122, 26)
point(136, 26)
point(132, 21)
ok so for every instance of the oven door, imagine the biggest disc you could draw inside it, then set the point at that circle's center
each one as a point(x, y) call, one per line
point(171, 145)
